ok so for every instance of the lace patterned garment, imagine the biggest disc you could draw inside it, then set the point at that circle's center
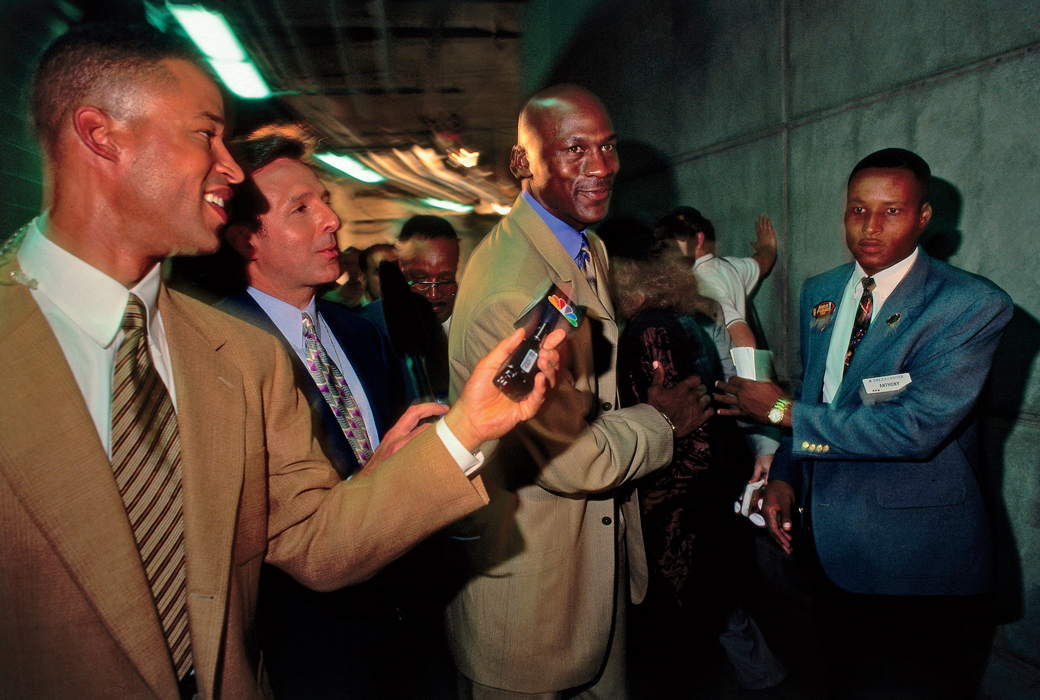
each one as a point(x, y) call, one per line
point(688, 499)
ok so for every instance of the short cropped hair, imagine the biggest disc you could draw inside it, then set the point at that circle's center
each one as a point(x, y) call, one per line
point(898, 159)
point(252, 152)
point(99, 64)
point(427, 227)
point(683, 223)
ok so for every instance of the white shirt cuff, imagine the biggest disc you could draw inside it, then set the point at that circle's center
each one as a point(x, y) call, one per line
point(467, 461)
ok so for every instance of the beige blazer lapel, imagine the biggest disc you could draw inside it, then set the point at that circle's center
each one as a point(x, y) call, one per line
point(210, 419)
point(563, 266)
point(51, 456)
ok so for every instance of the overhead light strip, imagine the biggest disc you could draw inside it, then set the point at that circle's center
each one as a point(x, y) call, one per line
point(351, 167)
point(450, 206)
point(212, 34)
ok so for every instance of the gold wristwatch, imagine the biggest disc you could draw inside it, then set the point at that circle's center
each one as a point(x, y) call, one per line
point(776, 413)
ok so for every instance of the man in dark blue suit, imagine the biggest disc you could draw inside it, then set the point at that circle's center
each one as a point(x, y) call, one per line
point(882, 452)
point(350, 643)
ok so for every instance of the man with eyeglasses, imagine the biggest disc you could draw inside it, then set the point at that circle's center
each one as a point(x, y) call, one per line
point(428, 253)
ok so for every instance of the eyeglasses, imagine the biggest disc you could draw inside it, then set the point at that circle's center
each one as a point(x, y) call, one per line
point(445, 288)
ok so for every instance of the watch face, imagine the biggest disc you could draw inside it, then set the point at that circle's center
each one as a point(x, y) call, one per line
point(775, 415)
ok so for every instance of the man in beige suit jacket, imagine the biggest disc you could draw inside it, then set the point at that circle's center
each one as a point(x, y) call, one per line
point(543, 611)
point(136, 170)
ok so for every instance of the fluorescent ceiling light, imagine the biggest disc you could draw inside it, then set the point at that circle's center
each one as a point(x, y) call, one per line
point(213, 36)
point(209, 31)
point(346, 164)
point(450, 206)
point(241, 78)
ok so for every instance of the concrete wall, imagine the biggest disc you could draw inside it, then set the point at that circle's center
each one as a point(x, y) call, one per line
point(745, 106)
point(25, 29)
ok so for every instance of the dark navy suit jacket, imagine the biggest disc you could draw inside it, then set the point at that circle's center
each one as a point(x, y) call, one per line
point(891, 485)
point(331, 645)
point(368, 353)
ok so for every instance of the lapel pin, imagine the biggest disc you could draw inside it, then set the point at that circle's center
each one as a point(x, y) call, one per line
point(822, 314)
point(893, 323)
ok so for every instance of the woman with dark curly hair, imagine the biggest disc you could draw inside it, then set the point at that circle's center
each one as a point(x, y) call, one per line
point(695, 554)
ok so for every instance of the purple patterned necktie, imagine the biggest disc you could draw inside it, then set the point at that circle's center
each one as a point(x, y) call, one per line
point(337, 394)
point(584, 262)
point(862, 323)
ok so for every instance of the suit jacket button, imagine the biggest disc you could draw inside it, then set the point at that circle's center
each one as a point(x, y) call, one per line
point(805, 445)
point(607, 406)
point(826, 448)
point(607, 520)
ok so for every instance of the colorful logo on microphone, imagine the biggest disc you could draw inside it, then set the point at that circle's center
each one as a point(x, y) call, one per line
point(564, 308)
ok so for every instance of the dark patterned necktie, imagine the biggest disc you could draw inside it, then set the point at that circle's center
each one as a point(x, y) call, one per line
point(584, 262)
point(862, 322)
point(146, 461)
point(337, 394)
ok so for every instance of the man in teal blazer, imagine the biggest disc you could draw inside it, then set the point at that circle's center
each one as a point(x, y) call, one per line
point(882, 450)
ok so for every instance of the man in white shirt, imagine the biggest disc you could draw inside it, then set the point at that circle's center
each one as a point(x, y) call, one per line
point(727, 280)
point(141, 530)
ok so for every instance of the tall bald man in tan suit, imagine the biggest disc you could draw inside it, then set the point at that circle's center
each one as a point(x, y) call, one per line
point(145, 587)
point(542, 613)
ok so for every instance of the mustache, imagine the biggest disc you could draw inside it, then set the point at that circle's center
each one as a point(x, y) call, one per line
point(597, 183)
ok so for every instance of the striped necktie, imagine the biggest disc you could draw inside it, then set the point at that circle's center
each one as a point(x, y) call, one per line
point(584, 262)
point(146, 461)
point(862, 322)
point(337, 394)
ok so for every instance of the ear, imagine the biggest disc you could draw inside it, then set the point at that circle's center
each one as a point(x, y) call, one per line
point(518, 163)
point(240, 238)
point(700, 240)
point(97, 131)
point(926, 216)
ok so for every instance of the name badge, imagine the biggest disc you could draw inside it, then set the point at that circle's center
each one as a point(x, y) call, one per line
point(886, 385)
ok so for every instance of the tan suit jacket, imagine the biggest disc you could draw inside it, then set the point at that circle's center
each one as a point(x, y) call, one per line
point(77, 616)
point(536, 614)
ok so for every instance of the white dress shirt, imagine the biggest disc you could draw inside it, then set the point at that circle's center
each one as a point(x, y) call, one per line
point(85, 309)
point(885, 283)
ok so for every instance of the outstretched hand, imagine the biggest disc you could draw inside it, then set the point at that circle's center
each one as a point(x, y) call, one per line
point(765, 234)
point(685, 404)
point(407, 427)
point(483, 412)
point(751, 399)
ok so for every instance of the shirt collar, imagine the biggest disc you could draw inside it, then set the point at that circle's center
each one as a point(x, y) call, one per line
point(569, 237)
point(703, 259)
point(91, 299)
point(287, 317)
point(886, 280)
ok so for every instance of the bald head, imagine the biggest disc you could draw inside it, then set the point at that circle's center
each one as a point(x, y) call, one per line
point(566, 155)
